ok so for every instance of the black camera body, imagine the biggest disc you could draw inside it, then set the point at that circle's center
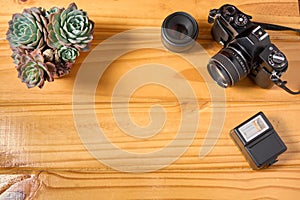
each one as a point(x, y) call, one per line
point(247, 50)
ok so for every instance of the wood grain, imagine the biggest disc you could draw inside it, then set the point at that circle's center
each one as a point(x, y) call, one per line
point(42, 156)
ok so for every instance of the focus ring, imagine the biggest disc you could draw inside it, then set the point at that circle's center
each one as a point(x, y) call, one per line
point(228, 66)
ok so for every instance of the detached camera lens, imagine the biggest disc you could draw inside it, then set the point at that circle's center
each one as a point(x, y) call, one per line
point(179, 32)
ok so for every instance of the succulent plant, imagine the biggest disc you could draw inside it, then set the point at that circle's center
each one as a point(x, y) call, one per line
point(28, 30)
point(70, 27)
point(34, 71)
point(46, 43)
point(68, 54)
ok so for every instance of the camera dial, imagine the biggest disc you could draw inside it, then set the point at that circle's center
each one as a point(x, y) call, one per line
point(276, 58)
point(241, 20)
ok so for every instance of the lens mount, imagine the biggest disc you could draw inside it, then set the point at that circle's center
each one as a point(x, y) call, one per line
point(179, 32)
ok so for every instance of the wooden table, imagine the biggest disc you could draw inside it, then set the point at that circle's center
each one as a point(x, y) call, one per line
point(42, 156)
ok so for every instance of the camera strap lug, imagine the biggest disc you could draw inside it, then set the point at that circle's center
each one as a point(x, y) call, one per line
point(282, 84)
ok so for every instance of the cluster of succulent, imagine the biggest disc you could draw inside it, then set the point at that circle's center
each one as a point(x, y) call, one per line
point(45, 43)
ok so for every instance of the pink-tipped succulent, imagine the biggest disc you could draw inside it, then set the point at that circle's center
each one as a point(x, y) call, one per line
point(28, 30)
point(34, 71)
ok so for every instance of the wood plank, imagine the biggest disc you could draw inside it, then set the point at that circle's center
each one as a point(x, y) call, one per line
point(194, 184)
point(33, 142)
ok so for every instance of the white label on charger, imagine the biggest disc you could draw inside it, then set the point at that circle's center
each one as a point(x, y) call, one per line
point(253, 128)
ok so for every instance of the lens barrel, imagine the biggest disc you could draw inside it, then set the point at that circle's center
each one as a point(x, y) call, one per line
point(179, 32)
point(228, 67)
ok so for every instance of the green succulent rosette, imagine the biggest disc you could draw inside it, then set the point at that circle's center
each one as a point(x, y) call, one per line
point(34, 71)
point(70, 27)
point(28, 30)
point(68, 54)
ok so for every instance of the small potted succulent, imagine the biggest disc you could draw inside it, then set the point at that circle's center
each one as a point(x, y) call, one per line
point(45, 43)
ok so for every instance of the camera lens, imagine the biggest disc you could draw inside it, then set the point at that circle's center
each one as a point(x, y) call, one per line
point(218, 73)
point(228, 67)
point(179, 32)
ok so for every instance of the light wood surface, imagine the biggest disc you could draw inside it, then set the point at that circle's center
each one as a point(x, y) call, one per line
point(42, 156)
